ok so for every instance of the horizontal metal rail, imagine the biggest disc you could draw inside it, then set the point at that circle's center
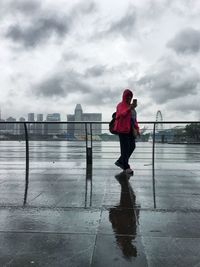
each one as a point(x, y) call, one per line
point(34, 143)
point(97, 122)
point(88, 146)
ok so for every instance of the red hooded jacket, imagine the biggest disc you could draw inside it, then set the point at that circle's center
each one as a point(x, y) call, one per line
point(123, 115)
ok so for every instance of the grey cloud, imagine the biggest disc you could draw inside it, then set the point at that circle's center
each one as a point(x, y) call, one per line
point(39, 30)
point(50, 87)
point(84, 8)
point(101, 96)
point(44, 23)
point(187, 106)
point(155, 9)
point(95, 71)
point(124, 26)
point(69, 56)
point(61, 85)
point(170, 80)
point(186, 42)
point(24, 6)
point(13, 7)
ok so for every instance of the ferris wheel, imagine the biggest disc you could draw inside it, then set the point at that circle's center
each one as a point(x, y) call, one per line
point(159, 118)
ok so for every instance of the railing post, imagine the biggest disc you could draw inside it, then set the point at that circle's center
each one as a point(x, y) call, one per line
point(153, 148)
point(27, 163)
point(153, 164)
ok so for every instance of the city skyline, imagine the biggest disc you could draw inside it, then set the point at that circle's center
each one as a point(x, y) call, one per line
point(55, 54)
point(34, 116)
point(71, 130)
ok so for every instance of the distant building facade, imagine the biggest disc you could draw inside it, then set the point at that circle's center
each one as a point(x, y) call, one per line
point(75, 129)
point(52, 128)
point(31, 117)
point(21, 129)
point(40, 126)
point(11, 127)
point(2, 126)
point(39, 117)
point(31, 126)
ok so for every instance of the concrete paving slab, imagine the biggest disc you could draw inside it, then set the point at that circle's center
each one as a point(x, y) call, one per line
point(49, 220)
point(78, 218)
point(169, 251)
point(49, 250)
point(119, 250)
point(183, 224)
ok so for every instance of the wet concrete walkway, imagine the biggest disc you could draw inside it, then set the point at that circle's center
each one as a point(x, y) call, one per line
point(99, 217)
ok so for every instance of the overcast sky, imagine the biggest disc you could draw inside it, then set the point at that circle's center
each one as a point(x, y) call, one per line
point(55, 54)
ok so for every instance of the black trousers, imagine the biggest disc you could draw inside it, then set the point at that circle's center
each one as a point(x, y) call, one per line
point(127, 146)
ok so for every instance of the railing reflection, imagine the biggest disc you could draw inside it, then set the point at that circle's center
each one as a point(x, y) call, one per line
point(88, 186)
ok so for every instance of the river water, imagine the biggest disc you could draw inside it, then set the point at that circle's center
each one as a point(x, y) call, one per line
point(73, 153)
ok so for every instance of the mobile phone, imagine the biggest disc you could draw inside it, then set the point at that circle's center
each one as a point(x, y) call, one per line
point(135, 101)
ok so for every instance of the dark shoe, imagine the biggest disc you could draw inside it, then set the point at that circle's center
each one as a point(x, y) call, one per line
point(118, 164)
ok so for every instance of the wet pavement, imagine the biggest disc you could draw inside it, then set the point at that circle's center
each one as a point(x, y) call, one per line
point(99, 216)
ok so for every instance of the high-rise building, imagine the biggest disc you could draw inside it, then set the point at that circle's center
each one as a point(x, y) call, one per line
point(11, 127)
point(21, 126)
point(31, 126)
point(2, 126)
point(79, 116)
point(53, 128)
point(70, 126)
point(39, 117)
point(53, 117)
point(22, 119)
point(31, 117)
point(39, 127)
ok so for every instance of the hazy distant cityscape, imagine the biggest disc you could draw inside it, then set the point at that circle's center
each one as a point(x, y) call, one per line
point(73, 130)
point(69, 130)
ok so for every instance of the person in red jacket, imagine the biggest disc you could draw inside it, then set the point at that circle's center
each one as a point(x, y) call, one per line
point(124, 127)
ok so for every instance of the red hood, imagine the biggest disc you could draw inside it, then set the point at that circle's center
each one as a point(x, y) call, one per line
point(126, 93)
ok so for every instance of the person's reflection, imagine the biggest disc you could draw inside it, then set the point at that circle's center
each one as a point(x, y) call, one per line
point(124, 218)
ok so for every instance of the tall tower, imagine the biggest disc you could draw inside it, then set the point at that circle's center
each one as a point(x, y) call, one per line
point(21, 126)
point(39, 127)
point(39, 117)
point(53, 128)
point(31, 117)
point(159, 118)
point(31, 126)
point(78, 114)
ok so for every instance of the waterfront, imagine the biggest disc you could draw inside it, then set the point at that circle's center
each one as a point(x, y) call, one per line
point(104, 152)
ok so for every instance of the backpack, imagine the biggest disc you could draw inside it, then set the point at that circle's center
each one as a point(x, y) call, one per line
point(112, 124)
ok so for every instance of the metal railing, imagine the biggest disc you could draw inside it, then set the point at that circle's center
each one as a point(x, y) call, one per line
point(90, 136)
